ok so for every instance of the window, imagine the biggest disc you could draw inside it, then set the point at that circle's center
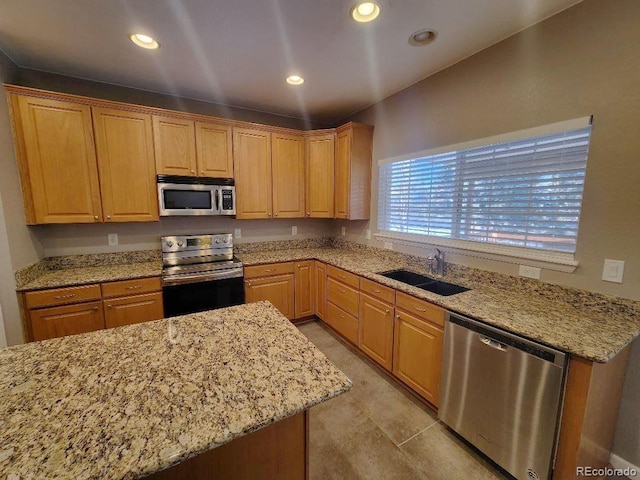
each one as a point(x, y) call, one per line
point(524, 192)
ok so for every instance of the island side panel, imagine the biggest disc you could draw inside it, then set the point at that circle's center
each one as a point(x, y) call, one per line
point(276, 452)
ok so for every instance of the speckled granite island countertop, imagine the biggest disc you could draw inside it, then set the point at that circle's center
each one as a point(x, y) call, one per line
point(586, 324)
point(127, 402)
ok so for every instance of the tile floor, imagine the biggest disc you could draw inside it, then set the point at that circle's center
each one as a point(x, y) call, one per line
point(378, 431)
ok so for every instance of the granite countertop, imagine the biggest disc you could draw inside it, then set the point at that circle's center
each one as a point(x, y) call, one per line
point(590, 325)
point(127, 402)
point(587, 324)
point(67, 277)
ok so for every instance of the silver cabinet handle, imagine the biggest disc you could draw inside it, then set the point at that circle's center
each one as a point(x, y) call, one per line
point(193, 171)
point(135, 287)
point(268, 269)
point(96, 217)
point(95, 309)
point(375, 290)
point(108, 217)
point(60, 297)
point(493, 343)
point(420, 309)
point(387, 311)
point(342, 290)
point(202, 172)
point(109, 306)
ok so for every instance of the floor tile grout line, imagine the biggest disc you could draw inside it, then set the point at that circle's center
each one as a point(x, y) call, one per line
point(421, 431)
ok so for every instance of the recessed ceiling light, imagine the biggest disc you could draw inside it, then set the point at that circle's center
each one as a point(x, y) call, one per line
point(422, 37)
point(295, 80)
point(365, 11)
point(144, 41)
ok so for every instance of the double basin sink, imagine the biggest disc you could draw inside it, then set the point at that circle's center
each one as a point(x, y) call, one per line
point(425, 283)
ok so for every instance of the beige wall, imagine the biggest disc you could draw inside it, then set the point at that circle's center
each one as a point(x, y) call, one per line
point(582, 61)
point(79, 239)
point(18, 247)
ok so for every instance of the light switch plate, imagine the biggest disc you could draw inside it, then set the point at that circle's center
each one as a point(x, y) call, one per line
point(613, 271)
point(112, 238)
point(528, 271)
point(368, 234)
point(294, 230)
point(237, 233)
point(344, 231)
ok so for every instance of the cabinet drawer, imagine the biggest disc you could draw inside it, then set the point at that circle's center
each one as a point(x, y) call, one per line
point(343, 276)
point(62, 296)
point(343, 296)
point(131, 287)
point(133, 309)
point(343, 323)
point(382, 293)
point(421, 309)
point(267, 270)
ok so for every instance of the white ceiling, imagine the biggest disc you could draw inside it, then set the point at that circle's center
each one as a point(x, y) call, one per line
point(238, 52)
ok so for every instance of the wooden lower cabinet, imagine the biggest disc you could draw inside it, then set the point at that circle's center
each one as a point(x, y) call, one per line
point(279, 290)
point(417, 354)
point(122, 311)
point(375, 337)
point(304, 272)
point(342, 322)
point(279, 451)
point(320, 289)
point(55, 322)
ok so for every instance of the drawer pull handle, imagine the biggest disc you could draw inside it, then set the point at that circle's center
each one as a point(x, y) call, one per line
point(341, 316)
point(268, 269)
point(60, 297)
point(420, 309)
point(342, 290)
point(387, 311)
point(342, 276)
point(95, 309)
point(376, 290)
point(109, 306)
point(135, 287)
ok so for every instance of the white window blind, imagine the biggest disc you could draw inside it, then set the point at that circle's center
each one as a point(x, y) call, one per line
point(525, 192)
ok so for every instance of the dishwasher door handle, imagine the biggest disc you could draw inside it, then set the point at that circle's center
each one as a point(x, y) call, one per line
point(493, 343)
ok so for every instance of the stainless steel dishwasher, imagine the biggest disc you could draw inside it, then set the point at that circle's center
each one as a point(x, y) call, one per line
point(503, 394)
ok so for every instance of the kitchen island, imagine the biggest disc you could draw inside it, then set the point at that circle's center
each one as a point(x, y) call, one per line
point(132, 401)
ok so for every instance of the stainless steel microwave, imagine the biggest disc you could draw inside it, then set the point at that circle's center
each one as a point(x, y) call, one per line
point(179, 196)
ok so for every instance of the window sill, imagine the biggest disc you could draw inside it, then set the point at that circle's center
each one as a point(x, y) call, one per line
point(561, 262)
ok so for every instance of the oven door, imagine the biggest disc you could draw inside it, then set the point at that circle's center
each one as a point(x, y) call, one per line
point(186, 298)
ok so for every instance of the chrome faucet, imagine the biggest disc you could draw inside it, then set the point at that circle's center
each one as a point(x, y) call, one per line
point(438, 260)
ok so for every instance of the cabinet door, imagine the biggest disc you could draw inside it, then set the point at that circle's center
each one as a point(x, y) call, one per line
point(70, 320)
point(124, 142)
point(343, 172)
point(279, 290)
point(121, 311)
point(214, 150)
point(252, 165)
point(417, 355)
point(175, 146)
point(376, 330)
point(57, 161)
point(287, 165)
point(320, 162)
point(304, 273)
point(320, 289)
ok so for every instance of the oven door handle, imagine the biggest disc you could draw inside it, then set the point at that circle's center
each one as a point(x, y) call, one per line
point(199, 278)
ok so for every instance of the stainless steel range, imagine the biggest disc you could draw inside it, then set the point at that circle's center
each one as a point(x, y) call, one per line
point(200, 273)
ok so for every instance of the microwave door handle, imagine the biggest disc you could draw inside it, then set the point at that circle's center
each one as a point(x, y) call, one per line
point(217, 195)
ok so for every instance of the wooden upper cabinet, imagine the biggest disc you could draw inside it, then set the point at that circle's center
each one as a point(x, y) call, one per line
point(320, 159)
point(57, 161)
point(287, 164)
point(124, 145)
point(353, 171)
point(214, 150)
point(252, 165)
point(175, 146)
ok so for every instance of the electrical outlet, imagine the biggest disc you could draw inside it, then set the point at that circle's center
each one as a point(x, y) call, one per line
point(112, 238)
point(613, 271)
point(237, 233)
point(344, 231)
point(388, 245)
point(527, 271)
point(368, 234)
point(294, 230)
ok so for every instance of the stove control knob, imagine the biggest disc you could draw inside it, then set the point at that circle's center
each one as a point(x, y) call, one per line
point(180, 243)
point(217, 240)
point(169, 243)
point(225, 240)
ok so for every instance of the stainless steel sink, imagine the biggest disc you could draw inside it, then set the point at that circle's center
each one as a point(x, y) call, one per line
point(424, 282)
